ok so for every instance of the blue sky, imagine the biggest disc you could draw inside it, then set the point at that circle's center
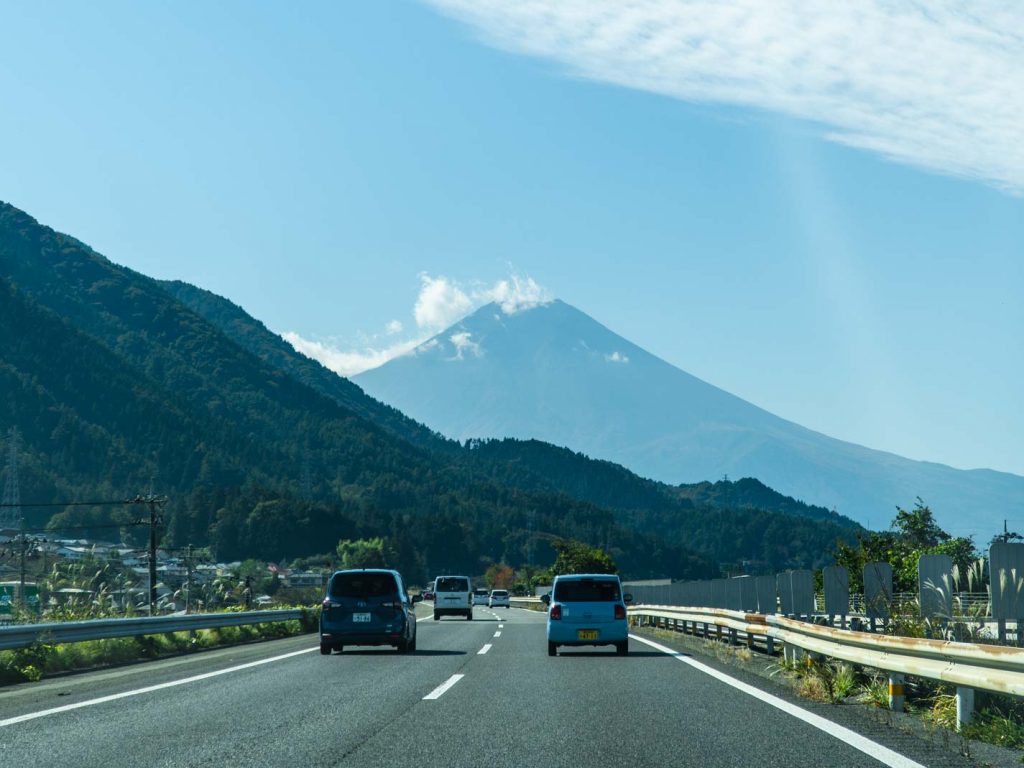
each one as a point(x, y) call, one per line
point(837, 238)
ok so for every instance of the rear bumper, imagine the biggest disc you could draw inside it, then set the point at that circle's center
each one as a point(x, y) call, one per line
point(451, 611)
point(361, 638)
point(607, 633)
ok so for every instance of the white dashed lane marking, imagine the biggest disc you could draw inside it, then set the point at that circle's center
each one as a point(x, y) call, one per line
point(438, 692)
point(484, 650)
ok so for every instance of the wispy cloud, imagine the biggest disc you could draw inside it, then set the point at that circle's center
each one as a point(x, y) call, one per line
point(463, 343)
point(617, 357)
point(440, 302)
point(936, 85)
point(348, 362)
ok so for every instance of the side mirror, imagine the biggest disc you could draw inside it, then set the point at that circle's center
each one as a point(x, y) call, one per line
point(546, 599)
point(417, 599)
point(627, 598)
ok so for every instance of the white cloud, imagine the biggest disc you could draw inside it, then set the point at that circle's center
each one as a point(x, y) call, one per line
point(515, 294)
point(348, 363)
point(937, 85)
point(440, 303)
point(463, 343)
point(616, 357)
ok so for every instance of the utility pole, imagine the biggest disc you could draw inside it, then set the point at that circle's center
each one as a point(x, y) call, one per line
point(153, 502)
point(12, 515)
point(188, 577)
point(152, 556)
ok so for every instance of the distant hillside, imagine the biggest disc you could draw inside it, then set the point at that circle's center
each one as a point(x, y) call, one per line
point(758, 513)
point(554, 374)
point(731, 522)
point(118, 387)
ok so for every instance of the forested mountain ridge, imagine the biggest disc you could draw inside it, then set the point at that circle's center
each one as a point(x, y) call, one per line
point(93, 350)
point(688, 513)
point(117, 384)
point(253, 336)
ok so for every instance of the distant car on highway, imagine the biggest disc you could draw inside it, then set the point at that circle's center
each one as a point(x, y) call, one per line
point(498, 598)
point(587, 609)
point(453, 596)
point(367, 607)
point(428, 595)
point(480, 596)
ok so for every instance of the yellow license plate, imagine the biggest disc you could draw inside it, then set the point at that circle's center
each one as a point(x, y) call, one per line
point(586, 634)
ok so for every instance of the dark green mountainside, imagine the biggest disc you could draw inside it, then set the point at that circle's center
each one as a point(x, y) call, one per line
point(118, 381)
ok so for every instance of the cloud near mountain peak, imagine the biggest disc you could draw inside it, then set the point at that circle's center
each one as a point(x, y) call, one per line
point(440, 302)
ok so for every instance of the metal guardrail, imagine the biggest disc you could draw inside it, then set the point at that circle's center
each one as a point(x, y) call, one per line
point(22, 635)
point(968, 666)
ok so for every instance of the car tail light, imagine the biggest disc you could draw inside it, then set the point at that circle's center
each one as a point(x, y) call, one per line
point(556, 612)
point(620, 611)
point(327, 604)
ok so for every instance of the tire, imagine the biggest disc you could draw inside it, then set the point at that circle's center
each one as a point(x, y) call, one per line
point(469, 615)
point(339, 648)
point(622, 649)
point(325, 649)
point(412, 645)
point(552, 649)
point(402, 647)
point(437, 616)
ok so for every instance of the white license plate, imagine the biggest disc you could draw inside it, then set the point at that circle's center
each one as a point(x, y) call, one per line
point(360, 617)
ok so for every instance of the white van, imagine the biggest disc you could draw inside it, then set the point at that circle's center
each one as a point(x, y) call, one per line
point(453, 596)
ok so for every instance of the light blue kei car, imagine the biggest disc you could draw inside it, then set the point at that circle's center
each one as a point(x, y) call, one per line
point(587, 609)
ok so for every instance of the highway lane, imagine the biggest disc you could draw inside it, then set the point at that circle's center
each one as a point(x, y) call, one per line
point(511, 705)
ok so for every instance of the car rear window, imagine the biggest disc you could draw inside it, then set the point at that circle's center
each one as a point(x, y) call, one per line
point(500, 593)
point(452, 584)
point(363, 585)
point(480, 592)
point(587, 591)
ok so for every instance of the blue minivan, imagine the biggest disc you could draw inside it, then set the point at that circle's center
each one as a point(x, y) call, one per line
point(367, 607)
point(587, 609)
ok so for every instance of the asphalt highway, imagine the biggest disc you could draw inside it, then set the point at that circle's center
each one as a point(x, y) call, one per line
point(480, 693)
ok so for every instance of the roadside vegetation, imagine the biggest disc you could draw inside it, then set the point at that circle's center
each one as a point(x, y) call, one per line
point(44, 659)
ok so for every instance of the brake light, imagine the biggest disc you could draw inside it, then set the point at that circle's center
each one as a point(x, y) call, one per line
point(620, 611)
point(556, 612)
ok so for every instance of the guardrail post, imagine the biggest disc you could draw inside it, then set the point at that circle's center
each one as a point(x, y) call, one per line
point(964, 706)
point(732, 637)
point(769, 645)
point(896, 698)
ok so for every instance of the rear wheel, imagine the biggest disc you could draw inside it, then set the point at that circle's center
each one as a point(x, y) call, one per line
point(436, 615)
point(402, 647)
point(469, 615)
point(412, 644)
point(552, 649)
point(339, 648)
point(622, 648)
point(325, 649)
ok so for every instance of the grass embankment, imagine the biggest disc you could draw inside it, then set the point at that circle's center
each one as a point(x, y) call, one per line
point(43, 659)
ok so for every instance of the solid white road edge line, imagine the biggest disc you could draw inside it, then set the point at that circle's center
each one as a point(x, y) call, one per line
point(151, 688)
point(870, 748)
point(438, 692)
point(484, 650)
